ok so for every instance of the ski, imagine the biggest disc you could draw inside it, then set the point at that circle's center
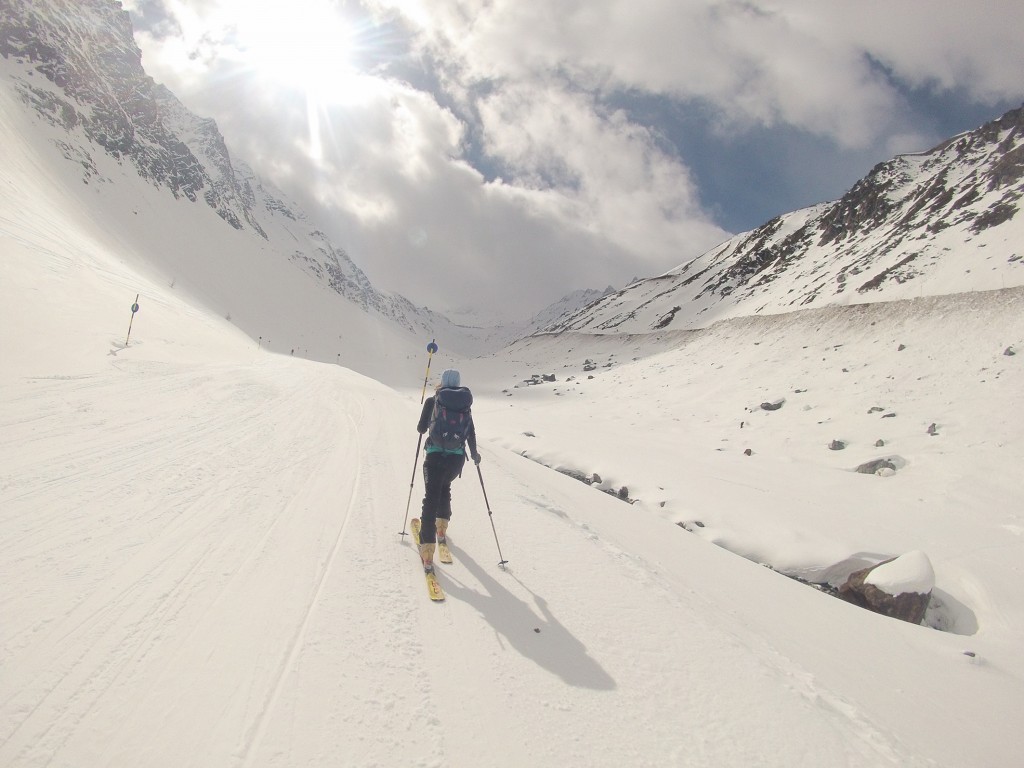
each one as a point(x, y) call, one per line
point(433, 587)
point(444, 554)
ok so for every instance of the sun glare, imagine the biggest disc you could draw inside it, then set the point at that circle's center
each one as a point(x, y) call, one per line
point(305, 45)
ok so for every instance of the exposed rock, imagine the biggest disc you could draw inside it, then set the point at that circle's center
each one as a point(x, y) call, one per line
point(575, 474)
point(540, 378)
point(1009, 352)
point(667, 318)
point(872, 467)
point(900, 588)
point(773, 406)
point(933, 429)
point(836, 445)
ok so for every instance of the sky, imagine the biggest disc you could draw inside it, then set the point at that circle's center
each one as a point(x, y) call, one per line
point(536, 148)
point(200, 550)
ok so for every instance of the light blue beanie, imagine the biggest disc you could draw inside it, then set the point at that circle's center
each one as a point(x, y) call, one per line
point(450, 379)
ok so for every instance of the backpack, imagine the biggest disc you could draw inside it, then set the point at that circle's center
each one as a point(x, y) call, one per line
point(451, 419)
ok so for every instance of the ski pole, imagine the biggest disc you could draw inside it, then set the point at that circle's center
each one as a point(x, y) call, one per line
point(411, 483)
point(431, 349)
point(502, 562)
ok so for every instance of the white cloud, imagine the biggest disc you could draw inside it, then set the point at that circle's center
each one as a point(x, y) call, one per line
point(802, 63)
point(620, 184)
point(587, 194)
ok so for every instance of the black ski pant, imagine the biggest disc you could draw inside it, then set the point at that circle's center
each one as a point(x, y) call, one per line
point(439, 471)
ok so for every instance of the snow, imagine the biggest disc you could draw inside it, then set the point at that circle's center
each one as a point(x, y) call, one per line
point(909, 573)
point(201, 563)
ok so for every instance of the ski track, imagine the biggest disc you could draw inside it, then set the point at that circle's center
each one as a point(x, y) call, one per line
point(166, 544)
point(233, 606)
point(297, 642)
point(617, 686)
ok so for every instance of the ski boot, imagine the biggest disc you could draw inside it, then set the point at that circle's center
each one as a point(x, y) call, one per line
point(427, 556)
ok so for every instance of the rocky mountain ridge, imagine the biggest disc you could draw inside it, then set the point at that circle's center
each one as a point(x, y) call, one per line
point(94, 89)
point(936, 223)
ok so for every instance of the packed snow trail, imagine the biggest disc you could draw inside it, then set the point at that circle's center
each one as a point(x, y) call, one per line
point(202, 567)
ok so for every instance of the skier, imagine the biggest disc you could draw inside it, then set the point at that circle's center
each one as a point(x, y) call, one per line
point(448, 418)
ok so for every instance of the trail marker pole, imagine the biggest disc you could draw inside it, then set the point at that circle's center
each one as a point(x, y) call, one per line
point(135, 308)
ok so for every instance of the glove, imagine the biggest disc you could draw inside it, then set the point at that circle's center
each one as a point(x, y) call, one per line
point(476, 459)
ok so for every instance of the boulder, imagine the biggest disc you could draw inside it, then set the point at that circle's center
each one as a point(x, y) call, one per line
point(873, 467)
point(900, 588)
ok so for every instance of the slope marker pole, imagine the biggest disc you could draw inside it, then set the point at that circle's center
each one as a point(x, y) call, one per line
point(135, 308)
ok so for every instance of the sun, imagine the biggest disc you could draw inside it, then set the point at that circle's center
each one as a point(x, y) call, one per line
point(305, 45)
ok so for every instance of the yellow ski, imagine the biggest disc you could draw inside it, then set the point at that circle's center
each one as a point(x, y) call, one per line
point(433, 587)
point(443, 553)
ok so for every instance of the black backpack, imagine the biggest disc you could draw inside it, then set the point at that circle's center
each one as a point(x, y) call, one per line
point(451, 418)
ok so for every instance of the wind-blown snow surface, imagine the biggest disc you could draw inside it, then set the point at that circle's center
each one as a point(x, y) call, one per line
point(200, 562)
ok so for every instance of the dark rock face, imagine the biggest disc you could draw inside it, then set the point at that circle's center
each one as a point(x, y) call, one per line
point(91, 59)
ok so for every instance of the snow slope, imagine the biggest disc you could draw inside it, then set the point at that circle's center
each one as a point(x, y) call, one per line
point(200, 559)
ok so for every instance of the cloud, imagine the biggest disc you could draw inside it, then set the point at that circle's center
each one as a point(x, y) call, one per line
point(503, 137)
point(803, 63)
point(610, 173)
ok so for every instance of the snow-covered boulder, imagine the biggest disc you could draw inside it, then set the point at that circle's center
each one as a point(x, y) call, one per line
point(900, 588)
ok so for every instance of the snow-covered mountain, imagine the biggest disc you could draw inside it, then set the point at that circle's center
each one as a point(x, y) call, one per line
point(76, 65)
point(199, 545)
point(937, 223)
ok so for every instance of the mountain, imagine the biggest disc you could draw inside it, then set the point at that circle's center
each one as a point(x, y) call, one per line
point(937, 223)
point(491, 338)
point(111, 129)
point(568, 305)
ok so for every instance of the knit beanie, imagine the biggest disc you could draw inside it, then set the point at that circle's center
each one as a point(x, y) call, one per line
point(450, 378)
